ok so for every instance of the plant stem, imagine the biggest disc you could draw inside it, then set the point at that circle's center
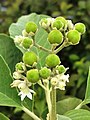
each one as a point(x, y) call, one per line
point(31, 114)
point(48, 98)
point(65, 44)
point(42, 48)
point(80, 105)
point(53, 101)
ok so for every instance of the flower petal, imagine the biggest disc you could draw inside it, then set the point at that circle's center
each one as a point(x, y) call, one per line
point(29, 95)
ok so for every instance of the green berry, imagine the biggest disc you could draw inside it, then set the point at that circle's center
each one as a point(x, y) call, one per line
point(31, 27)
point(27, 42)
point(62, 19)
point(32, 75)
point(52, 60)
point(80, 27)
point(57, 24)
point(45, 72)
point(29, 58)
point(61, 69)
point(55, 37)
point(73, 37)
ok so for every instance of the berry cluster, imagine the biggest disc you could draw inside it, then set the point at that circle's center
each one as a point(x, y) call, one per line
point(61, 33)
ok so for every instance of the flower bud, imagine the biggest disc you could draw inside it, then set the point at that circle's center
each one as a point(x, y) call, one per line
point(44, 23)
point(55, 37)
point(31, 27)
point(33, 75)
point(18, 39)
point(57, 24)
point(29, 58)
point(62, 19)
point(45, 72)
point(52, 60)
point(27, 42)
point(17, 75)
point(73, 37)
point(61, 69)
point(80, 27)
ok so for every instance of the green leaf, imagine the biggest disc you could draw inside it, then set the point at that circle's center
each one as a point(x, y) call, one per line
point(67, 104)
point(62, 117)
point(87, 94)
point(9, 51)
point(40, 37)
point(8, 96)
point(3, 117)
point(79, 114)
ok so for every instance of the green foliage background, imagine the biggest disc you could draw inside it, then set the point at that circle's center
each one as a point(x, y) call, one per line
point(77, 58)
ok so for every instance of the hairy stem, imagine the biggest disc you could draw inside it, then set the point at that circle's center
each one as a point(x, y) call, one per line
point(31, 114)
point(53, 101)
point(42, 48)
point(65, 44)
point(48, 97)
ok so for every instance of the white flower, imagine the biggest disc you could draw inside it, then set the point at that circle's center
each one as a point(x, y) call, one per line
point(15, 83)
point(70, 24)
point(59, 81)
point(18, 39)
point(25, 91)
point(63, 77)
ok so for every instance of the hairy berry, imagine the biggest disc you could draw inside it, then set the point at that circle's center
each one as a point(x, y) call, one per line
point(52, 60)
point(32, 75)
point(29, 58)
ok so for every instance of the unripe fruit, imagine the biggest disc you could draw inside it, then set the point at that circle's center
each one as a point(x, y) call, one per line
point(45, 72)
point(20, 67)
point(55, 37)
point(32, 75)
point(61, 69)
point(57, 24)
point(31, 27)
point(62, 19)
point(27, 42)
point(52, 60)
point(80, 27)
point(29, 58)
point(73, 37)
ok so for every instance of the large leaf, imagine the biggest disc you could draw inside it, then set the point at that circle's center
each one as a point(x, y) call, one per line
point(62, 117)
point(8, 96)
point(79, 114)
point(40, 38)
point(9, 51)
point(3, 117)
point(67, 104)
point(87, 94)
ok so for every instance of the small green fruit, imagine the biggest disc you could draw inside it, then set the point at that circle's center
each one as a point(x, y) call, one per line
point(52, 60)
point(57, 24)
point(73, 37)
point(33, 75)
point(20, 67)
point(27, 42)
point(45, 72)
point(80, 27)
point(55, 37)
point(31, 27)
point(62, 19)
point(29, 58)
point(61, 69)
